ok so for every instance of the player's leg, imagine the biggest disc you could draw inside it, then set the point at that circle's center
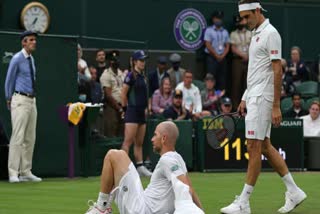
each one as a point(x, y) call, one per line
point(130, 132)
point(294, 195)
point(138, 151)
point(115, 166)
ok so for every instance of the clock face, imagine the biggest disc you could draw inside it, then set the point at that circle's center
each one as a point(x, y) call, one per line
point(35, 17)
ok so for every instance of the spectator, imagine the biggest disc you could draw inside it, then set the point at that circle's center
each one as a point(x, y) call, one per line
point(225, 106)
point(210, 96)
point(157, 75)
point(176, 111)
point(296, 71)
point(191, 96)
point(101, 64)
point(217, 47)
point(111, 83)
point(83, 71)
point(175, 72)
point(96, 93)
point(20, 92)
point(162, 97)
point(240, 41)
point(296, 110)
point(135, 102)
point(311, 122)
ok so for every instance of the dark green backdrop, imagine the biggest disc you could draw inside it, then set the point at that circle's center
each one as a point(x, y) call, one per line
point(55, 60)
point(152, 20)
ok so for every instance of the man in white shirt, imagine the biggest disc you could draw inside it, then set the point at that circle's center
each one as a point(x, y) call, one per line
point(262, 100)
point(191, 96)
point(311, 122)
point(120, 178)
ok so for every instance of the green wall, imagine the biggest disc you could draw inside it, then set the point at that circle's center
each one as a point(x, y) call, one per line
point(152, 20)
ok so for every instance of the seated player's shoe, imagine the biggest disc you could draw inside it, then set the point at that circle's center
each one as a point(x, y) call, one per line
point(143, 171)
point(237, 207)
point(94, 208)
point(31, 177)
point(293, 199)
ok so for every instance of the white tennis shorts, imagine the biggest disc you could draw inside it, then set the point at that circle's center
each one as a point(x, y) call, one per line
point(130, 196)
point(259, 118)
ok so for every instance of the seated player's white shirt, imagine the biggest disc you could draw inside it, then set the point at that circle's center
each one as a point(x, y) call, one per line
point(311, 128)
point(265, 46)
point(191, 96)
point(159, 194)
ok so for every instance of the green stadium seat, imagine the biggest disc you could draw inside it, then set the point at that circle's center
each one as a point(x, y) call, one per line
point(309, 101)
point(286, 104)
point(200, 84)
point(308, 89)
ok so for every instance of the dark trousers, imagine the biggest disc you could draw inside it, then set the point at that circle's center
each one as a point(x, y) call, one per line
point(219, 70)
point(113, 124)
point(239, 80)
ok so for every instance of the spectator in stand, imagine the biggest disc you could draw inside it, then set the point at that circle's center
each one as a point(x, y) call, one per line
point(101, 63)
point(191, 96)
point(217, 47)
point(311, 122)
point(158, 74)
point(296, 110)
point(96, 92)
point(225, 105)
point(296, 71)
point(177, 111)
point(83, 71)
point(209, 96)
point(111, 83)
point(175, 72)
point(240, 41)
point(162, 97)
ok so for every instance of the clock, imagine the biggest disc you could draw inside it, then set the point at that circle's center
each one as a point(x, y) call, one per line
point(35, 17)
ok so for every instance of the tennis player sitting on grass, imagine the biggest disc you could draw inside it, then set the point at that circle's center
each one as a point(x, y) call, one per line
point(120, 179)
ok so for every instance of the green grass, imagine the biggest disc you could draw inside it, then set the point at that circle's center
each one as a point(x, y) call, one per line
point(65, 196)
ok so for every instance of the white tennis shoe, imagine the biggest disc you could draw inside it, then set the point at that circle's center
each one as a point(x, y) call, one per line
point(93, 206)
point(293, 199)
point(237, 207)
point(143, 171)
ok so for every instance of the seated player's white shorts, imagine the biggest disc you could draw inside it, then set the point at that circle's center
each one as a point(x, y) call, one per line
point(130, 196)
point(259, 118)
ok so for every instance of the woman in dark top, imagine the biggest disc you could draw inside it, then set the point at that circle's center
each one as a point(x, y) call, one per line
point(135, 101)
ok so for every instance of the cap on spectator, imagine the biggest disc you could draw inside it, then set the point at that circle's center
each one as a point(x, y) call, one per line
point(226, 101)
point(217, 14)
point(177, 93)
point(139, 54)
point(113, 55)
point(162, 60)
point(27, 33)
point(209, 77)
point(175, 58)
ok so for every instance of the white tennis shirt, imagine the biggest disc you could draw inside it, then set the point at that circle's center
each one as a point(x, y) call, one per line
point(265, 46)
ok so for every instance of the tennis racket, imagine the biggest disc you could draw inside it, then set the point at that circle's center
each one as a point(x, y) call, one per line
point(222, 129)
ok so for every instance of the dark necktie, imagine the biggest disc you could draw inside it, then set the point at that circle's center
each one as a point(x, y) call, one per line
point(32, 75)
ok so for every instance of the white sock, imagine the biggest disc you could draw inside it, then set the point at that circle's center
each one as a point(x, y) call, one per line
point(289, 182)
point(102, 201)
point(246, 192)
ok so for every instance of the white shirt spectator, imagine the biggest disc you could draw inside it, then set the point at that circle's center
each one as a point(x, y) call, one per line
point(191, 97)
point(311, 128)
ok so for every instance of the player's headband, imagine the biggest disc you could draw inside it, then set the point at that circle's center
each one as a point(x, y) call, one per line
point(250, 6)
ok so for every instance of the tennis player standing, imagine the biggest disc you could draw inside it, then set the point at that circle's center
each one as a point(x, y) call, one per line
point(262, 100)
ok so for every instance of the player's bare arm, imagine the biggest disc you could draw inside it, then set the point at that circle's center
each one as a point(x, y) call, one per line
point(124, 92)
point(186, 180)
point(276, 112)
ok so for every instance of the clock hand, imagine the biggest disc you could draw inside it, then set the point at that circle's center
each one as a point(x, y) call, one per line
point(35, 20)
